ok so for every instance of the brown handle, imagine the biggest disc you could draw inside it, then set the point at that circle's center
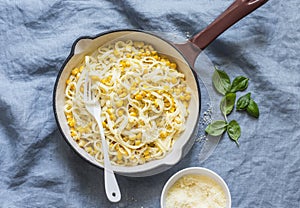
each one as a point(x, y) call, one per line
point(236, 11)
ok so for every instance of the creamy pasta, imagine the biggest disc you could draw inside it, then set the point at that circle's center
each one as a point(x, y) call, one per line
point(144, 101)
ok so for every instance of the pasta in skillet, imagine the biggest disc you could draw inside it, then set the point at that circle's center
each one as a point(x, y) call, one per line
point(144, 101)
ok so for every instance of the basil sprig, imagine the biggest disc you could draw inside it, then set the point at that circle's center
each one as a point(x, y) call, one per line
point(252, 109)
point(234, 131)
point(223, 85)
point(227, 103)
point(216, 128)
point(245, 102)
point(221, 81)
point(240, 83)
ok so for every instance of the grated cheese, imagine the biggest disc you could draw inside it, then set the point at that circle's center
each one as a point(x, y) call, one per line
point(196, 191)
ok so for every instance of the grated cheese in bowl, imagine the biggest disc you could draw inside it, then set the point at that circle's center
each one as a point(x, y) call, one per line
point(195, 188)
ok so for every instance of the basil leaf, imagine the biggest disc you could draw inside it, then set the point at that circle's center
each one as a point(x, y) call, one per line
point(234, 131)
point(221, 81)
point(243, 101)
point(240, 83)
point(216, 128)
point(252, 109)
point(227, 103)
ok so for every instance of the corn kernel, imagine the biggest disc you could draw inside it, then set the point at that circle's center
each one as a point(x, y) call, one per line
point(146, 71)
point(173, 65)
point(138, 97)
point(77, 75)
point(163, 134)
point(153, 52)
point(69, 115)
point(173, 80)
point(123, 63)
point(68, 81)
point(139, 135)
point(113, 117)
point(81, 68)
point(187, 97)
point(72, 87)
point(156, 102)
point(111, 146)
point(119, 155)
point(127, 64)
point(73, 133)
point(133, 114)
point(71, 122)
point(110, 110)
point(137, 142)
point(141, 122)
point(138, 57)
point(120, 113)
point(75, 71)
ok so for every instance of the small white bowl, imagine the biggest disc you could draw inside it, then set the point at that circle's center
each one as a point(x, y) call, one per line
point(195, 171)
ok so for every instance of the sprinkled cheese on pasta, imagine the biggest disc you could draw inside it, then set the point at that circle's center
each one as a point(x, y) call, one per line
point(144, 101)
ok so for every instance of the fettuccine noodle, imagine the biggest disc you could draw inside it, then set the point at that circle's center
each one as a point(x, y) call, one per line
point(144, 101)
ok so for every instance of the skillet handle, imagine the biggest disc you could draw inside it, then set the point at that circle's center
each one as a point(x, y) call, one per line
point(236, 11)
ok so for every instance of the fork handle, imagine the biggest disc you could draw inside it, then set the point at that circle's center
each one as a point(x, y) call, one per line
point(110, 182)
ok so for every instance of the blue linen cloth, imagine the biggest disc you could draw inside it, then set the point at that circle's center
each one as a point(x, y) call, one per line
point(37, 167)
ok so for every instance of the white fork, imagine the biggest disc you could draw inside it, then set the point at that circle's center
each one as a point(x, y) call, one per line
point(93, 107)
